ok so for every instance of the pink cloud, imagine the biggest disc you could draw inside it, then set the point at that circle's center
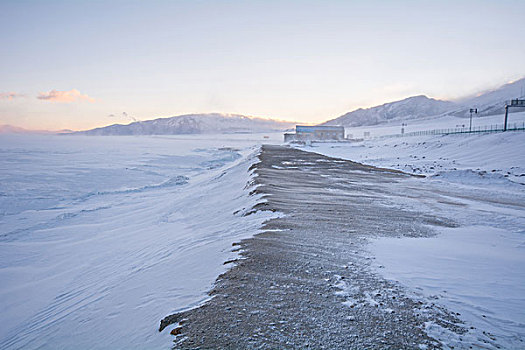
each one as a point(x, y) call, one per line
point(64, 96)
point(10, 95)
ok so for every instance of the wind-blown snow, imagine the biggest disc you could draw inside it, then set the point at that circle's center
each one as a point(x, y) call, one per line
point(102, 237)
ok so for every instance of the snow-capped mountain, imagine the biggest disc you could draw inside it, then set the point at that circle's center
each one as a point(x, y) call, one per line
point(213, 123)
point(409, 108)
point(492, 102)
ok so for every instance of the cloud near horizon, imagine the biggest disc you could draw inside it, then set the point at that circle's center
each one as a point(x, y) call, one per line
point(10, 95)
point(72, 95)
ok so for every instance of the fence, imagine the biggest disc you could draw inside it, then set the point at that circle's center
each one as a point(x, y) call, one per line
point(463, 130)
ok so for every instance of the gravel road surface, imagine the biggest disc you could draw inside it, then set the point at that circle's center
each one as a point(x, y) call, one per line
point(307, 281)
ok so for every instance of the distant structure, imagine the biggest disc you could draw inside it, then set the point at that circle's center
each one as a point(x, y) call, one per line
point(316, 133)
point(513, 103)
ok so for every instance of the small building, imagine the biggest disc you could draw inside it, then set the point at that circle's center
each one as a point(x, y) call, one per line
point(316, 133)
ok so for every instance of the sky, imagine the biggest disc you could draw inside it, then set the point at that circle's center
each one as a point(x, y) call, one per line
point(84, 64)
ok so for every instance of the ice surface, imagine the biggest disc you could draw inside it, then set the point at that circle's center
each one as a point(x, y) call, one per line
point(101, 237)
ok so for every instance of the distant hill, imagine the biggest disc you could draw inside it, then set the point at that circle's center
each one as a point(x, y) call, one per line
point(10, 129)
point(213, 123)
point(409, 108)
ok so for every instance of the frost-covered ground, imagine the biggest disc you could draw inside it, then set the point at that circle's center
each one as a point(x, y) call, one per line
point(101, 237)
point(478, 268)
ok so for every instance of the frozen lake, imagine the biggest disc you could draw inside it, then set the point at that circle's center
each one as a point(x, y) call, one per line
point(101, 237)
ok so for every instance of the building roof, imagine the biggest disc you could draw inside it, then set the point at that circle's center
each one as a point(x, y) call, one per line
point(305, 128)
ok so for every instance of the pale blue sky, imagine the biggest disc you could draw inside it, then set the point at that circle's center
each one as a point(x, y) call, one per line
point(294, 60)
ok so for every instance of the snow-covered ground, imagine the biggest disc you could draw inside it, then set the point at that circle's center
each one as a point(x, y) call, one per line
point(484, 158)
point(477, 269)
point(445, 122)
point(102, 237)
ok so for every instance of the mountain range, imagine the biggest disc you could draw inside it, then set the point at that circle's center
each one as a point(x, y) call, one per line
point(415, 107)
point(410, 108)
point(211, 123)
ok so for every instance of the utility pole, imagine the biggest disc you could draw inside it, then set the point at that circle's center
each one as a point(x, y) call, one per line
point(506, 117)
point(472, 110)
